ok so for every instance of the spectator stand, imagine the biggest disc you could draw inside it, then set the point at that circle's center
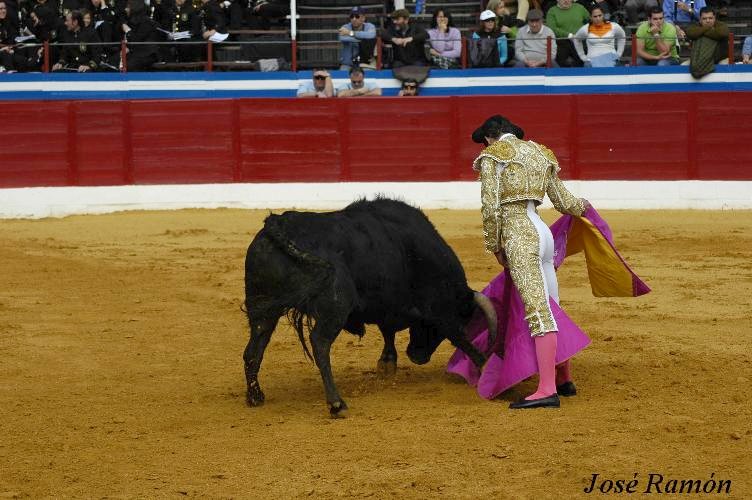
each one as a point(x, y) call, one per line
point(317, 39)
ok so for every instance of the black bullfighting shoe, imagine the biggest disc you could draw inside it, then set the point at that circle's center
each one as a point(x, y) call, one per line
point(551, 401)
point(566, 389)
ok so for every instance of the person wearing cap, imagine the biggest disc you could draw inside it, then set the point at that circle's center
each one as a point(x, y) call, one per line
point(565, 19)
point(358, 86)
point(487, 48)
point(530, 45)
point(358, 39)
point(407, 40)
point(319, 86)
point(515, 177)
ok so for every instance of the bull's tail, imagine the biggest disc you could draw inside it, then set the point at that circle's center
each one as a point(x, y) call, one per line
point(302, 313)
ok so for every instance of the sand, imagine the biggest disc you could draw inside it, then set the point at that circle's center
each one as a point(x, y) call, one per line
point(121, 375)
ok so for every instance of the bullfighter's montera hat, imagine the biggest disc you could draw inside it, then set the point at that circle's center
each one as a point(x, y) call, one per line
point(497, 121)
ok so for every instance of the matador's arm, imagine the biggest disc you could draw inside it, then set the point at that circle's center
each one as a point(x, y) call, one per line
point(564, 201)
point(490, 174)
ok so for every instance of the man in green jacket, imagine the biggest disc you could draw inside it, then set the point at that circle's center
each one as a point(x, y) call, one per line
point(709, 39)
point(565, 18)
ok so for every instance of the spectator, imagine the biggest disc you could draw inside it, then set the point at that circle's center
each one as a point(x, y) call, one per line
point(656, 41)
point(409, 88)
point(103, 19)
point(40, 23)
point(507, 23)
point(605, 41)
point(103, 22)
point(531, 42)
point(68, 6)
point(636, 9)
point(505, 20)
point(270, 11)
point(709, 39)
point(681, 13)
point(517, 9)
point(565, 18)
point(235, 12)
point(747, 50)
point(407, 40)
point(8, 34)
point(43, 21)
point(358, 39)
point(140, 28)
point(78, 55)
point(178, 18)
point(319, 86)
point(357, 86)
point(213, 19)
point(488, 47)
point(446, 41)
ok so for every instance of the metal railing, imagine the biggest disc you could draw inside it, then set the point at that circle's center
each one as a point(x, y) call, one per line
point(210, 63)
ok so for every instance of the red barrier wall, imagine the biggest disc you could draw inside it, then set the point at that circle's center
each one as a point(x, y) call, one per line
point(662, 136)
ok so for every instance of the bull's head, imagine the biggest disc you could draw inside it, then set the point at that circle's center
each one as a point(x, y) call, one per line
point(426, 335)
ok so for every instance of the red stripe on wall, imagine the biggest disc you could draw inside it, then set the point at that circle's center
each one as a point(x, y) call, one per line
point(667, 136)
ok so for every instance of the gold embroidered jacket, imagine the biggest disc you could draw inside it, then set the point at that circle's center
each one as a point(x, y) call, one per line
point(513, 170)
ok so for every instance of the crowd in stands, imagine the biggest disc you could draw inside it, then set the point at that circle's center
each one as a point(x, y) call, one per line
point(86, 34)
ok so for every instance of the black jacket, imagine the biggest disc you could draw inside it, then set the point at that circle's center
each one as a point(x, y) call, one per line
point(414, 52)
point(213, 17)
point(143, 29)
point(81, 53)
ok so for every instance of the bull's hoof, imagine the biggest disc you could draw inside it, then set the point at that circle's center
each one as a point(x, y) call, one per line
point(338, 410)
point(386, 368)
point(255, 396)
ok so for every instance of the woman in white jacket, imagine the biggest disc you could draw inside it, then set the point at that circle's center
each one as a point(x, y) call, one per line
point(605, 41)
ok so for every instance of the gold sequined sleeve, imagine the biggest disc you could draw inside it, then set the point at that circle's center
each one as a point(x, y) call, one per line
point(564, 201)
point(489, 196)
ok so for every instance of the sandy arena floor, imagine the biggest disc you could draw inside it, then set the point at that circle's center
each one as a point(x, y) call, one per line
point(121, 375)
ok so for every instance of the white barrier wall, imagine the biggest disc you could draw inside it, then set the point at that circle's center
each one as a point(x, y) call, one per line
point(41, 202)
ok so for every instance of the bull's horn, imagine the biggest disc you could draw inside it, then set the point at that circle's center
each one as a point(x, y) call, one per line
point(490, 313)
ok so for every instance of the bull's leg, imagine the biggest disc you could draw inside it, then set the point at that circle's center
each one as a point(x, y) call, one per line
point(465, 346)
point(387, 364)
point(322, 337)
point(261, 332)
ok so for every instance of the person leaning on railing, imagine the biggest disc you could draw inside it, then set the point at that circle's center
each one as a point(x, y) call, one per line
point(445, 40)
point(605, 41)
point(656, 41)
point(709, 43)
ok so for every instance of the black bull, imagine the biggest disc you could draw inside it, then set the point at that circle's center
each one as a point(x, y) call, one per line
point(375, 262)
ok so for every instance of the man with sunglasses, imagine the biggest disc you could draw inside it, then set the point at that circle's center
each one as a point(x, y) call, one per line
point(358, 39)
point(409, 89)
point(320, 86)
point(358, 86)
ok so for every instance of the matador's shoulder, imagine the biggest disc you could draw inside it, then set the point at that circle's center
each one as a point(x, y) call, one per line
point(547, 153)
point(503, 150)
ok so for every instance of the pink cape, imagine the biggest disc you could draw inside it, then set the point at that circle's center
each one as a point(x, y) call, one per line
point(609, 274)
